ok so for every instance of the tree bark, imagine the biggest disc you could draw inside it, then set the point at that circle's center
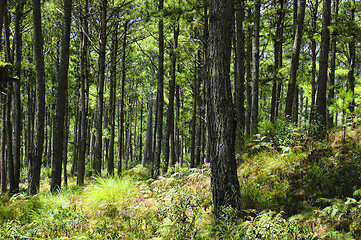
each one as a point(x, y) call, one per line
point(352, 62)
point(83, 96)
point(331, 91)
point(37, 147)
point(314, 12)
point(195, 89)
point(17, 99)
point(61, 103)
point(100, 93)
point(295, 61)
point(239, 72)
point(323, 67)
point(169, 132)
point(255, 67)
point(278, 52)
point(112, 98)
point(220, 111)
point(121, 117)
point(249, 78)
point(160, 97)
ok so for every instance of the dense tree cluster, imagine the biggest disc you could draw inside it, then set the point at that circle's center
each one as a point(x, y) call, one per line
point(109, 84)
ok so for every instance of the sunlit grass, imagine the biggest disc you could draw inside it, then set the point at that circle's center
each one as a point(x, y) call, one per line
point(109, 192)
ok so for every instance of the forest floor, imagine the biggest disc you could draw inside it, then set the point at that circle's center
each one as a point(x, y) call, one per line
point(292, 187)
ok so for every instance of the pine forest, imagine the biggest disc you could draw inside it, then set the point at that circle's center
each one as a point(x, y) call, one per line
point(180, 119)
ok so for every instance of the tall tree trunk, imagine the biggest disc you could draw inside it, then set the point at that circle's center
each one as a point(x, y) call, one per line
point(3, 146)
point(148, 143)
point(169, 131)
point(194, 115)
point(83, 96)
point(17, 99)
point(100, 93)
point(220, 111)
point(278, 48)
point(8, 126)
point(121, 114)
point(37, 148)
point(255, 67)
point(176, 128)
point(160, 97)
point(249, 78)
point(295, 61)
point(61, 101)
point(112, 98)
point(140, 158)
point(314, 12)
point(129, 136)
point(240, 70)
point(323, 66)
point(9, 137)
point(65, 148)
point(331, 91)
point(352, 52)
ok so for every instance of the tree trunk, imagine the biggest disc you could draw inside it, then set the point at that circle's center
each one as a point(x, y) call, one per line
point(351, 72)
point(331, 91)
point(3, 146)
point(255, 67)
point(77, 136)
point(278, 48)
point(112, 98)
point(220, 111)
point(295, 61)
point(160, 98)
point(37, 147)
point(140, 158)
point(169, 131)
point(83, 96)
point(194, 115)
point(121, 114)
point(323, 66)
point(314, 12)
point(17, 99)
point(249, 78)
point(61, 101)
point(240, 70)
point(129, 136)
point(66, 137)
point(100, 93)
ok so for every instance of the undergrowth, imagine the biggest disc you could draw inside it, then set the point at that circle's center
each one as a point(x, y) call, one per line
point(292, 189)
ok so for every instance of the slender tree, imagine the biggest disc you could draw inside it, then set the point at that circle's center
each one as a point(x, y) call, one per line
point(239, 71)
point(291, 91)
point(83, 94)
point(160, 96)
point(331, 91)
point(35, 157)
point(61, 103)
point(169, 132)
point(323, 66)
point(255, 67)
point(352, 59)
point(121, 114)
point(112, 98)
point(100, 93)
point(17, 99)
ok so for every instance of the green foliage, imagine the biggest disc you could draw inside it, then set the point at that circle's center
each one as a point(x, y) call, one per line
point(279, 135)
point(106, 195)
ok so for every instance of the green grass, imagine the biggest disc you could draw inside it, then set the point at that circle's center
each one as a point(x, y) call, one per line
point(301, 193)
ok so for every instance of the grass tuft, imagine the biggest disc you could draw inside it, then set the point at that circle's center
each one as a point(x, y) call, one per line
point(106, 195)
